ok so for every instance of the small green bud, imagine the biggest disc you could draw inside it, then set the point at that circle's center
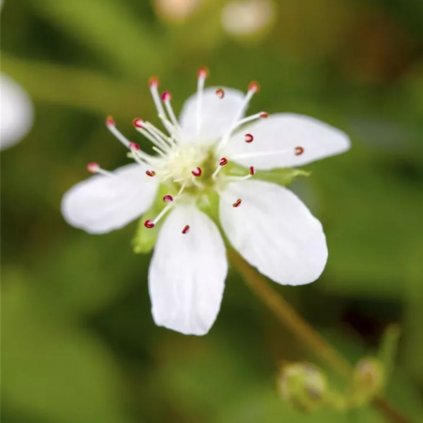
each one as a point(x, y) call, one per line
point(368, 380)
point(303, 385)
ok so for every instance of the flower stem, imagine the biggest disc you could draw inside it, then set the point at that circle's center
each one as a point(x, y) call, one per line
point(292, 321)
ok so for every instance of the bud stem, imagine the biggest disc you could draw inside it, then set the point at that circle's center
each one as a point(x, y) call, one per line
point(291, 320)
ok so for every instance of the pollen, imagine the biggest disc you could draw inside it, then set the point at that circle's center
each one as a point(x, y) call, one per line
point(237, 203)
point(149, 224)
point(185, 229)
point(220, 93)
point(249, 138)
point(167, 198)
point(299, 150)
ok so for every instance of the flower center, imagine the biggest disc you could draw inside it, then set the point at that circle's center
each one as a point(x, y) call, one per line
point(184, 164)
point(193, 170)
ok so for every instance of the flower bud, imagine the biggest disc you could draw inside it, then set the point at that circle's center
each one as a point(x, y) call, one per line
point(368, 380)
point(303, 385)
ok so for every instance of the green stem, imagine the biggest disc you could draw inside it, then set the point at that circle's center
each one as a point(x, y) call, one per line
point(292, 321)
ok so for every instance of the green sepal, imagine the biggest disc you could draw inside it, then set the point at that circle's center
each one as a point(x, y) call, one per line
point(280, 176)
point(209, 204)
point(144, 238)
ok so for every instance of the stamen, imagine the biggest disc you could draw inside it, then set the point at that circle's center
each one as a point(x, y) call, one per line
point(202, 75)
point(94, 167)
point(185, 230)
point(134, 146)
point(223, 161)
point(110, 121)
point(254, 86)
point(260, 154)
point(298, 151)
point(167, 198)
point(162, 213)
point(111, 126)
point(154, 89)
point(137, 154)
point(138, 123)
point(150, 173)
point(225, 139)
point(167, 97)
point(203, 72)
point(237, 203)
point(154, 80)
point(252, 170)
point(149, 224)
point(220, 93)
point(159, 135)
point(152, 223)
point(146, 129)
point(197, 171)
point(249, 138)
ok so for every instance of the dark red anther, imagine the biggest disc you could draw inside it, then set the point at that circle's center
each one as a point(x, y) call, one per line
point(298, 151)
point(166, 96)
point(110, 121)
point(150, 173)
point(153, 81)
point(185, 229)
point(254, 86)
point(249, 138)
point(197, 171)
point(237, 203)
point(134, 146)
point(203, 72)
point(252, 170)
point(149, 224)
point(93, 167)
point(264, 115)
point(223, 161)
point(167, 198)
point(137, 122)
point(220, 92)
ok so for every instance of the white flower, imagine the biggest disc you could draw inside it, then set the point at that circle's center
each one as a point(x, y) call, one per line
point(16, 112)
point(199, 156)
point(245, 17)
point(176, 10)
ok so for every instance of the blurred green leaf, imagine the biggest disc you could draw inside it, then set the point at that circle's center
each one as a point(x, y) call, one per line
point(53, 370)
point(74, 87)
point(110, 28)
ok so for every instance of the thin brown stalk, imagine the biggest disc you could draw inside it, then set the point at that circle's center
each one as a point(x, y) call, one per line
point(304, 333)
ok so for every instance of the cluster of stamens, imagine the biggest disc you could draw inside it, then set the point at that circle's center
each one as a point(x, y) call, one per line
point(180, 166)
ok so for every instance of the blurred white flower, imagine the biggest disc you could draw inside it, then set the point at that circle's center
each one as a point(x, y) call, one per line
point(176, 10)
point(245, 17)
point(211, 151)
point(16, 112)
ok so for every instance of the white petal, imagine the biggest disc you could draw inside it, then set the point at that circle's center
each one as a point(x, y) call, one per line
point(16, 112)
point(217, 115)
point(187, 273)
point(284, 132)
point(103, 203)
point(274, 231)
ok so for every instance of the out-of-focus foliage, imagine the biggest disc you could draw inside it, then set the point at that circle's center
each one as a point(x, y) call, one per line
point(79, 341)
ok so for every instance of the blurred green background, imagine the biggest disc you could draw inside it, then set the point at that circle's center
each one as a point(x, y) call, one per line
point(79, 343)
